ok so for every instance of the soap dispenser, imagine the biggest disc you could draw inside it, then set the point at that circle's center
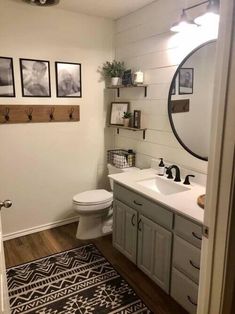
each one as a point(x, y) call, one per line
point(161, 167)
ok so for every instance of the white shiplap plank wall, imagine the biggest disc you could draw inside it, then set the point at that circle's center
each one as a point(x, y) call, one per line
point(143, 41)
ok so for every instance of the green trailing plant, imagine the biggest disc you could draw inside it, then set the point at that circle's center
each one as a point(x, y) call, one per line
point(127, 115)
point(113, 69)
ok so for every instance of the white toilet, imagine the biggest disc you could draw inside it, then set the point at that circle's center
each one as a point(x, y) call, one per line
point(95, 209)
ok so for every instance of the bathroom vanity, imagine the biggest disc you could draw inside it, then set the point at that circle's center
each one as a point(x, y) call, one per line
point(158, 226)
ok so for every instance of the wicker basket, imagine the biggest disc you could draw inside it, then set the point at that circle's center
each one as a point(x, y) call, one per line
point(121, 158)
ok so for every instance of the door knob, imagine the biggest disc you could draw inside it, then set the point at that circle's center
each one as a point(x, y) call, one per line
point(6, 204)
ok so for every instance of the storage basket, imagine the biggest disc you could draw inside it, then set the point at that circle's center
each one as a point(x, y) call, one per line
point(121, 158)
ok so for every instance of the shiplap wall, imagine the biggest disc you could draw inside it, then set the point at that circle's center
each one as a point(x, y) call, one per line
point(144, 42)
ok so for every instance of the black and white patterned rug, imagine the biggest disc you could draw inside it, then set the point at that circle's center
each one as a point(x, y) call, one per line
point(78, 281)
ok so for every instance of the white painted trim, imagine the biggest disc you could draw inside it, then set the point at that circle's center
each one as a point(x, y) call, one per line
point(51, 225)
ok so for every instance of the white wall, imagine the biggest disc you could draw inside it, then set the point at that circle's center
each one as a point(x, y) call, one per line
point(144, 41)
point(43, 165)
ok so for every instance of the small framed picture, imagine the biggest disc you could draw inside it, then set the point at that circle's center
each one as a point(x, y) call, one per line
point(7, 83)
point(186, 81)
point(127, 78)
point(68, 80)
point(137, 119)
point(117, 112)
point(35, 78)
point(173, 89)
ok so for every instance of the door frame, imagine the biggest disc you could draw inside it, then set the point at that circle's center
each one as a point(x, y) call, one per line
point(220, 170)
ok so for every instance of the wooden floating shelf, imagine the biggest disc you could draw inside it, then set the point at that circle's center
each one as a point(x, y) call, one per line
point(118, 87)
point(38, 113)
point(128, 128)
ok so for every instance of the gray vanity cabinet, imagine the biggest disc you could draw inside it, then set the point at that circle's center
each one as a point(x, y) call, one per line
point(154, 251)
point(125, 229)
point(138, 234)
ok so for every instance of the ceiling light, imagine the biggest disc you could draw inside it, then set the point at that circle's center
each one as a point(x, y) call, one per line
point(184, 24)
point(42, 3)
point(211, 16)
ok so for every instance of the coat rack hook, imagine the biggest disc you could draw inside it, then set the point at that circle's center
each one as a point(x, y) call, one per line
point(51, 114)
point(5, 114)
point(29, 113)
point(71, 113)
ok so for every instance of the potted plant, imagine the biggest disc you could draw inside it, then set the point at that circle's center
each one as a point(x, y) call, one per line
point(126, 118)
point(113, 70)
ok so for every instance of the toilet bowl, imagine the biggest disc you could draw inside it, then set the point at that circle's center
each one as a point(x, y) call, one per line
point(94, 208)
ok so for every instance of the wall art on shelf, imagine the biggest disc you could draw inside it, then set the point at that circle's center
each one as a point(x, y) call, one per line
point(117, 112)
point(7, 84)
point(137, 119)
point(68, 80)
point(186, 81)
point(35, 78)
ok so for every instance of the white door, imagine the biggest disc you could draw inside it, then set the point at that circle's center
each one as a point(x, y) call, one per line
point(4, 300)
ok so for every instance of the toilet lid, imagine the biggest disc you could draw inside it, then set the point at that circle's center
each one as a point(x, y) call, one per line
point(93, 197)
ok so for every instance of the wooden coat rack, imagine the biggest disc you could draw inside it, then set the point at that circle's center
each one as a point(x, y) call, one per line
point(38, 113)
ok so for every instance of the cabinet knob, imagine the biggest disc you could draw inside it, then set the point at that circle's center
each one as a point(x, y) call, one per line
point(6, 204)
point(192, 264)
point(136, 203)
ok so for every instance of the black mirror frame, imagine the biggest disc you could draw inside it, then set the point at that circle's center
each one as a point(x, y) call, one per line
point(169, 101)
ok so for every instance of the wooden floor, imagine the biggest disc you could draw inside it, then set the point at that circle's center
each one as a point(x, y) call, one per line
point(28, 248)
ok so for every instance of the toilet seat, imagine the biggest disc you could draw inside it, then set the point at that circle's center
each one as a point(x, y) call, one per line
point(93, 201)
point(93, 197)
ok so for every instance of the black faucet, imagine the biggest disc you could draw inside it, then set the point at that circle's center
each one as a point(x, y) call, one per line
point(177, 172)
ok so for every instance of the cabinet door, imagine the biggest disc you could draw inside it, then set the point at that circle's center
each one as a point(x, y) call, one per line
point(125, 229)
point(154, 251)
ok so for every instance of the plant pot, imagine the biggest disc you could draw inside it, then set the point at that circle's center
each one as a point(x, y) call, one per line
point(114, 81)
point(126, 122)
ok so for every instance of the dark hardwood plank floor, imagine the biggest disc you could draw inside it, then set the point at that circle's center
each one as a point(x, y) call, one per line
point(37, 245)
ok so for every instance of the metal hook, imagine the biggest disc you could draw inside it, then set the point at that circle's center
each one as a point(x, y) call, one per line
point(51, 113)
point(29, 112)
point(5, 114)
point(71, 113)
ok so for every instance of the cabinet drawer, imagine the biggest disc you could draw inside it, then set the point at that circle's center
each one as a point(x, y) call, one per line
point(144, 206)
point(188, 230)
point(184, 291)
point(186, 258)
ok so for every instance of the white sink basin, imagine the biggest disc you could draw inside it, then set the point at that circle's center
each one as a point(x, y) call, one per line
point(163, 186)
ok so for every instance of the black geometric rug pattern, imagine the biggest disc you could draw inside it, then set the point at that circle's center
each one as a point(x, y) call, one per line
point(77, 281)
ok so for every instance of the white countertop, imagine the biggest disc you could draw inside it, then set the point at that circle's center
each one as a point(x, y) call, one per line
point(184, 203)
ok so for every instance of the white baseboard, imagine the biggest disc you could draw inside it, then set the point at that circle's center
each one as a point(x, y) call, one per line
point(51, 225)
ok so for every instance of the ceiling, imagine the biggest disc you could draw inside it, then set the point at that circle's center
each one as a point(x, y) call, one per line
point(112, 9)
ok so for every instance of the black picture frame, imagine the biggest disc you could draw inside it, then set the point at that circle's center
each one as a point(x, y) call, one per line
point(137, 119)
point(7, 80)
point(117, 111)
point(127, 78)
point(68, 79)
point(186, 78)
point(35, 78)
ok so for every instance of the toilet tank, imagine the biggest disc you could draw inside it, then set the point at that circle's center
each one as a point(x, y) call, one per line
point(112, 170)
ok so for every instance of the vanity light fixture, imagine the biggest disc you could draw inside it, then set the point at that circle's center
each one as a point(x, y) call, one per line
point(210, 17)
point(42, 3)
point(183, 24)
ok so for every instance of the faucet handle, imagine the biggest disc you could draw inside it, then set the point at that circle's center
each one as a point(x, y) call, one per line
point(169, 173)
point(186, 180)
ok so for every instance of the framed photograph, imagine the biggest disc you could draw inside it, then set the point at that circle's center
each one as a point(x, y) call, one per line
point(127, 78)
point(173, 90)
point(137, 119)
point(7, 83)
point(68, 80)
point(35, 78)
point(117, 112)
point(186, 81)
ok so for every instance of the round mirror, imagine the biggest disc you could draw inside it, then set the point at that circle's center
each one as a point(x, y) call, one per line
point(190, 100)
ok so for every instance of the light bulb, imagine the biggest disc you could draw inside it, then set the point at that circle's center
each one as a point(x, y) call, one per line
point(209, 18)
point(183, 27)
